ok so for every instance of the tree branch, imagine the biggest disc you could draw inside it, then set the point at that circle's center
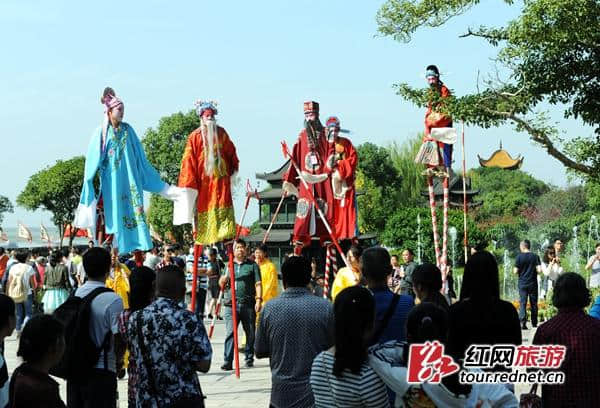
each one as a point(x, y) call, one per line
point(541, 138)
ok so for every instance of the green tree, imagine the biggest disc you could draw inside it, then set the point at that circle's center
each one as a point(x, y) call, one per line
point(412, 182)
point(549, 54)
point(505, 193)
point(56, 189)
point(379, 182)
point(164, 148)
point(5, 207)
point(401, 231)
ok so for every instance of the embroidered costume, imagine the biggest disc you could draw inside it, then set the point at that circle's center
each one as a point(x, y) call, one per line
point(342, 163)
point(310, 153)
point(125, 173)
point(208, 165)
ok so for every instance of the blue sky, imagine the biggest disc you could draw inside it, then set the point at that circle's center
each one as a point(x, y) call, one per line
point(260, 60)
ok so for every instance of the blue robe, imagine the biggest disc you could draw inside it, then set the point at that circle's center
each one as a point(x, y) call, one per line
point(125, 174)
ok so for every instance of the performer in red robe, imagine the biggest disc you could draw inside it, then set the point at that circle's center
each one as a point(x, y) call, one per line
point(342, 164)
point(436, 151)
point(310, 153)
point(208, 164)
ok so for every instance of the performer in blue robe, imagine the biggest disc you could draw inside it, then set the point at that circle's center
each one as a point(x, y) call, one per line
point(115, 152)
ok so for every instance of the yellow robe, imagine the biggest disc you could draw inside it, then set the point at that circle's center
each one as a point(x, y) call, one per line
point(344, 279)
point(120, 283)
point(268, 279)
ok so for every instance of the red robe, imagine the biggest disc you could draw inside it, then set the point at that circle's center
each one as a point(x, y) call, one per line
point(435, 119)
point(216, 220)
point(312, 163)
point(344, 193)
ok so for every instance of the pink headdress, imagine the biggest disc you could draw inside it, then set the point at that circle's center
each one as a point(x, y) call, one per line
point(109, 100)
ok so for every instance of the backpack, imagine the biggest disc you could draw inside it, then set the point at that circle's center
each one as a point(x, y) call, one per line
point(17, 290)
point(81, 353)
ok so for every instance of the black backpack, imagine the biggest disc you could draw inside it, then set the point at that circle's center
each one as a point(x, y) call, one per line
point(81, 353)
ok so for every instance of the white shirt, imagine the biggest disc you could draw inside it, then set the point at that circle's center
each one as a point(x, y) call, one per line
point(26, 276)
point(104, 317)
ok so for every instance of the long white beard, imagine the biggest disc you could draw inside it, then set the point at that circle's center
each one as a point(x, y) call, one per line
point(211, 145)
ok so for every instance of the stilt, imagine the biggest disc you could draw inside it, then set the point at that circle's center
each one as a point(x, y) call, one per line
point(436, 237)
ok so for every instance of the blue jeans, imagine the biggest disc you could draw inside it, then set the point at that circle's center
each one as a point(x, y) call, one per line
point(23, 311)
point(532, 293)
point(246, 315)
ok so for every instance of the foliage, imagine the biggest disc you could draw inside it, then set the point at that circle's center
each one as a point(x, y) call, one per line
point(592, 195)
point(505, 193)
point(164, 148)
point(380, 184)
point(56, 189)
point(401, 231)
point(550, 54)
point(557, 203)
point(412, 182)
point(5, 207)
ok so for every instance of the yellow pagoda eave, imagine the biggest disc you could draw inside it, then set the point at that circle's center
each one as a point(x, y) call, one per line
point(501, 158)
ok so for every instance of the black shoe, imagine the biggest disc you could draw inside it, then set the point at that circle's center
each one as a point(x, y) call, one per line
point(219, 318)
point(534, 325)
point(524, 326)
point(210, 317)
point(249, 364)
point(227, 367)
point(121, 374)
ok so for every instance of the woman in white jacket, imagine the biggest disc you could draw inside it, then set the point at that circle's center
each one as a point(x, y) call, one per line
point(551, 270)
point(428, 322)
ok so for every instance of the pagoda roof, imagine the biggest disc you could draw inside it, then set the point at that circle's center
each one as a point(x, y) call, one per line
point(501, 158)
point(276, 175)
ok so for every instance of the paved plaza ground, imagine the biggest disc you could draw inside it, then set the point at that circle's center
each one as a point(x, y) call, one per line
point(222, 389)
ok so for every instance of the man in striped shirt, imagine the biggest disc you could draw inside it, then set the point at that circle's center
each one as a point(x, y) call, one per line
point(202, 285)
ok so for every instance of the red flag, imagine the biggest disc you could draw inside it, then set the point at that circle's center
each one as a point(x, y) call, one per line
point(80, 232)
point(244, 231)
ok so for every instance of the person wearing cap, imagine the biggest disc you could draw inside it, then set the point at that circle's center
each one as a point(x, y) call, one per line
point(209, 162)
point(342, 163)
point(116, 154)
point(436, 151)
point(310, 154)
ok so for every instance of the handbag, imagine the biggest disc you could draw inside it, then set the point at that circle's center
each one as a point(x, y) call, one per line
point(531, 399)
point(195, 401)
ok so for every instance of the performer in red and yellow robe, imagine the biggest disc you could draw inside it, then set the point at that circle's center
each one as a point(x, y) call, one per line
point(342, 163)
point(436, 151)
point(310, 153)
point(209, 161)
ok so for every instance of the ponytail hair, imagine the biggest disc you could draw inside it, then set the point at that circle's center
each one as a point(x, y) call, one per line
point(427, 322)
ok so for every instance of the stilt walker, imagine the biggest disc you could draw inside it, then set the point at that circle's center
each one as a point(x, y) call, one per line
point(117, 211)
point(436, 154)
point(209, 162)
point(465, 207)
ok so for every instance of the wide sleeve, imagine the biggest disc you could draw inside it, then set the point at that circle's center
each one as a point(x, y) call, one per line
point(85, 214)
point(347, 166)
point(269, 282)
point(292, 175)
point(149, 176)
point(230, 155)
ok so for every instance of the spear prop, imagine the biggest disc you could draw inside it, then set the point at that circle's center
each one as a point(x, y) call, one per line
point(286, 154)
point(236, 357)
point(274, 216)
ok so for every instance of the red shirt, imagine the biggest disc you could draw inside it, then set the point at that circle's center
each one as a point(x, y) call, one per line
point(580, 333)
point(3, 262)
